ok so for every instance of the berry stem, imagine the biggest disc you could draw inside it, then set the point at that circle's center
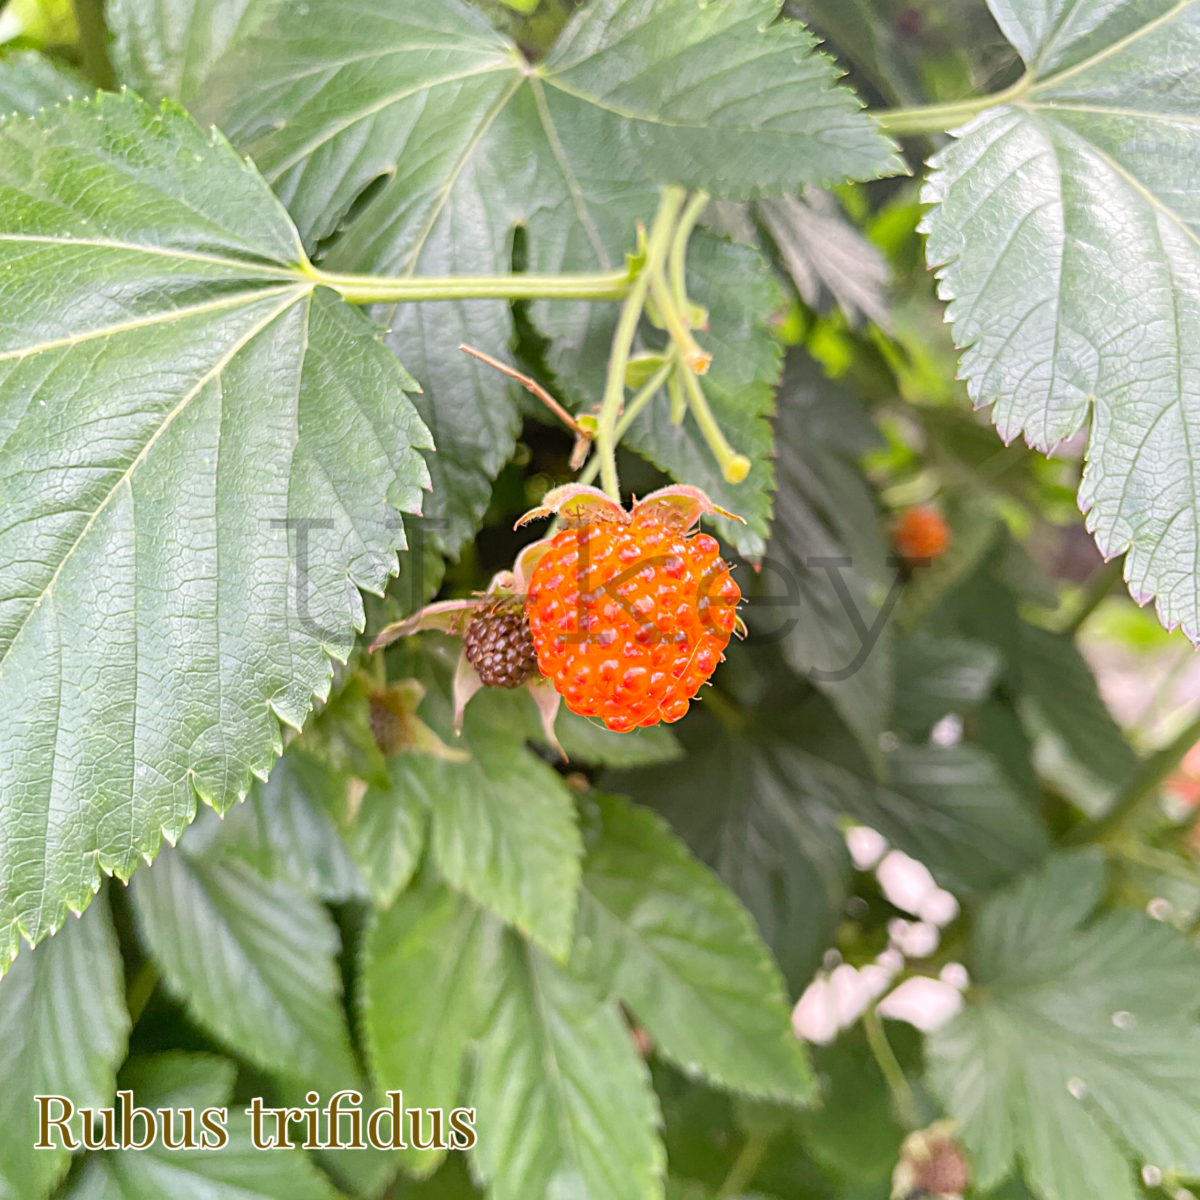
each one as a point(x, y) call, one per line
point(735, 467)
point(643, 397)
point(631, 313)
point(694, 355)
point(679, 244)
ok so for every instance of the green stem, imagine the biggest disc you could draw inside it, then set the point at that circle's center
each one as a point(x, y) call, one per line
point(679, 245)
point(1098, 587)
point(745, 1166)
point(381, 289)
point(735, 467)
point(142, 986)
point(903, 1100)
point(635, 406)
point(938, 118)
point(1140, 790)
point(618, 358)
point(93, 41)
point(1156, 859)
point(694, 355)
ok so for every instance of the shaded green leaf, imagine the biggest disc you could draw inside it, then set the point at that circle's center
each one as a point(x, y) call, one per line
point(825, 567)
point(63, 1030)
point(284, 830)
point(164, 48)
point(565, 1104)
point(657, 929)
point(940, 675)
point(733, 802)
point(1080, 1046)
point(503, 824)
point(388, 833)
point(236, 1172)
point(173, 391)
point(30, 82)
point(1065, 229)
point(428, 964)
point(254, 962)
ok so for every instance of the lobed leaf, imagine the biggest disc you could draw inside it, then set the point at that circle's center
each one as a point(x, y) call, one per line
point(1066, 233)
point(1080, 1046)
point(177, 400)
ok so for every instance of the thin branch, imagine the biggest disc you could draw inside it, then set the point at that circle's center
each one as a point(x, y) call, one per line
point(530, 385)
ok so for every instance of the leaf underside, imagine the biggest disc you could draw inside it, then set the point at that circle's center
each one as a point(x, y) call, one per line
point(1067, 233)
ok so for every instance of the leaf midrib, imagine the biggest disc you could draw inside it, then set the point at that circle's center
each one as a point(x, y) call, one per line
point(293, 296)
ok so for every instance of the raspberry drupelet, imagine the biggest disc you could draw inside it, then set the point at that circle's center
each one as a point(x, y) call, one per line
point(630, 617)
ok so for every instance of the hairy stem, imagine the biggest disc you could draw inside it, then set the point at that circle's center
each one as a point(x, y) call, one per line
point(745, 1166)
point(938, 118)
point(381, 289)
point(903, 1100)
point(1099, 586)
point(141, 987)
point(1140, 790)
point(618, 358)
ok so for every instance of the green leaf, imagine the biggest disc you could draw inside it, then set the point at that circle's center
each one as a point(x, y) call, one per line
point(1065, 230)
point(940, 675)
point(1078, 744)
point(253, 961)
point(659, 930)
point(565, 1104)
point(236, 1172)
point(387, 836)
point(427, 98)
point(589, 741)
point(163, 49)
point(284, 831)
point(30, 82)
point(503, 824)
point(63, 1031)
point(174, 391)
point(826, 534)
point(417, 1036)
point(1079, 1047)
point(734, 804)
point(735, 285)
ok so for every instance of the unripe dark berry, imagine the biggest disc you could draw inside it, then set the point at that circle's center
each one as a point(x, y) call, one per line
point(499, 646)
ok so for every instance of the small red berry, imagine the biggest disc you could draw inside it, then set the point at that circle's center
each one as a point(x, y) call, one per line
point(921, 533)
point(630, 619)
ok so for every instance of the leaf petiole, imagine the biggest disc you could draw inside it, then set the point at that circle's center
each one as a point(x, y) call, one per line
point(382, 289)
point(657, 245)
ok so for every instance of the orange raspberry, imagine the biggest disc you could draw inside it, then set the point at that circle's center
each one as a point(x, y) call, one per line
point(921, 533)
point(630, 619)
